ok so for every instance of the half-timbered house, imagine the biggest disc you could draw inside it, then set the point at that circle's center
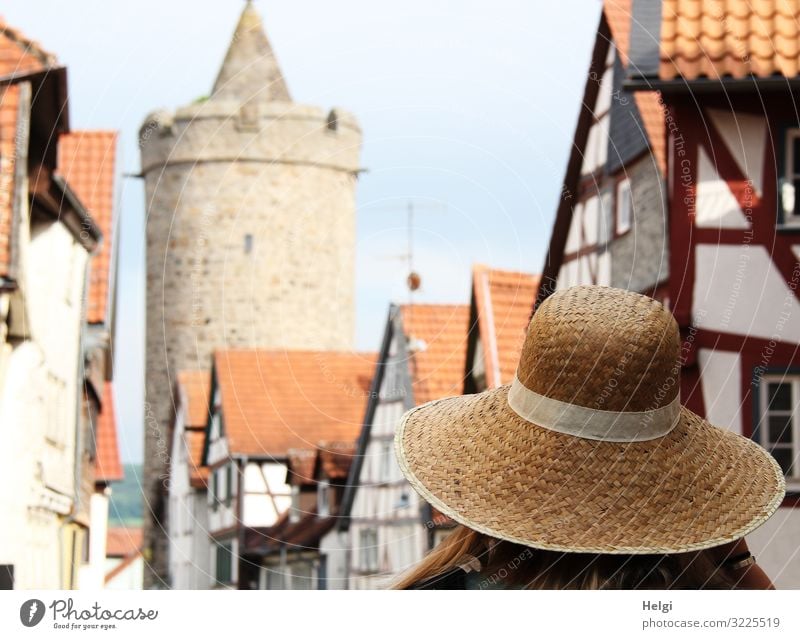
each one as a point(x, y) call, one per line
point(723, 77)
point(87, 161)
point(46, 238)
point(264, 404)
point(384, 523)
point(189, 544)
point(729, 74)
point(499, 314)
point(610, 226)
point(291, 551)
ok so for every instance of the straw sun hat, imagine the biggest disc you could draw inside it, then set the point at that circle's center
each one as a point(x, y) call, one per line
point(589, 449)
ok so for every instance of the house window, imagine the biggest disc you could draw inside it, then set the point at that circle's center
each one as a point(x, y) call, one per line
point(779, 428)
point(294, 509)
point(385, 462)
point(228, 484)
point(368, 550)
point(302, 576)
point(323, 498)
point(6, 576)
point(212, 489)
point(791, 178)
point(624, 207)
point(224, 562)
point(274, 578)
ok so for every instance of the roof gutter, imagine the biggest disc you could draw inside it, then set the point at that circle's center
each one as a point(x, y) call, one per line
point(711, 85)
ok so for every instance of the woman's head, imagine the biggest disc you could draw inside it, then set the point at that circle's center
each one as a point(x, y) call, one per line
point(588, 449)
point(518, 566)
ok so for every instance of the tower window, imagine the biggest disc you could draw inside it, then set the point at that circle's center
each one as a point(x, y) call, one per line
point(248, 243)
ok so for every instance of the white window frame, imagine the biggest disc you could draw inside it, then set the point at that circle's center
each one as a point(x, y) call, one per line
point(624, 201)
point(294, 508)
point(323, 498)
point(788, 191)
point(793, 380)
point(385, 461)
point(368, 550)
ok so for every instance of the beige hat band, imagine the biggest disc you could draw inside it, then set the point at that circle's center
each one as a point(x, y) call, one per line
point(591, 423)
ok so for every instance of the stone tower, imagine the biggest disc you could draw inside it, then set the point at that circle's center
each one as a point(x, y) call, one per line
point(250, 236)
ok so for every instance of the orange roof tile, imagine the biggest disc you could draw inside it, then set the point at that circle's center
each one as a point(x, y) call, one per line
point(618, 16)
point(20, 55)
point(273, 401)
point(107, 466)
point(194, 387)
point(504, 303)
point(87, 161)
point(734, 38)
point(437, 341)
point(122, 541)
point(9, 116)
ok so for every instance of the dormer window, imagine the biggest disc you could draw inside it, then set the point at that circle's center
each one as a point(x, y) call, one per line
point(790, 182)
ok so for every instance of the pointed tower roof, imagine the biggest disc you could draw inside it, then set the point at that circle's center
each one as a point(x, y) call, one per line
point(250, 69)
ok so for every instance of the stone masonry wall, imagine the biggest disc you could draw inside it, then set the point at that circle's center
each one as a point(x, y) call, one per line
point(640, 258)
point(250, 243)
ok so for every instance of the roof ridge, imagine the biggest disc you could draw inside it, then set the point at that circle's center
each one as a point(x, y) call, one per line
point(32, 47)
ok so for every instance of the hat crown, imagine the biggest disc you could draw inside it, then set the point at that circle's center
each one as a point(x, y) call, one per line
point(602, 348)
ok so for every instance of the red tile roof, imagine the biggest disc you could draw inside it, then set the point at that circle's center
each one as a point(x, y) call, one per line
point(198, 474)
point(9, 117)
point(87, 161)
point(194, 389)
point(618, 16)
point(735, 38)
point(437, 341)
point(107, 466)
point(20, 55)
point(504, 303)
point(121, 541)
point(273, 401)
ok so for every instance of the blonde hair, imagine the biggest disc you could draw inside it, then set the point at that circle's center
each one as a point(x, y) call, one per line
point(520, 566)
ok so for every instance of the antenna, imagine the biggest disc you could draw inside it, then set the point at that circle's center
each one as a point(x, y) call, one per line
point(413, 279)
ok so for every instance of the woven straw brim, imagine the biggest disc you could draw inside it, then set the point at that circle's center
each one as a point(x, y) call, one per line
point(478, 462)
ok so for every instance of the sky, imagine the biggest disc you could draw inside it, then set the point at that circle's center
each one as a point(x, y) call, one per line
point(468, 110)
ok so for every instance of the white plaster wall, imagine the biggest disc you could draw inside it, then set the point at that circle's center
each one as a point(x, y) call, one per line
point(721, 375)
point(334, 547)
point(775, 545)
point(573, 242)
point(128, 579)
point(737, 289)
point(716, 205)
point(92, 574)
point(39, 396)
point(745, 135)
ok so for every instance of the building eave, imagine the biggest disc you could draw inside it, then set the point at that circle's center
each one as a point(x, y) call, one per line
point(712, 85)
